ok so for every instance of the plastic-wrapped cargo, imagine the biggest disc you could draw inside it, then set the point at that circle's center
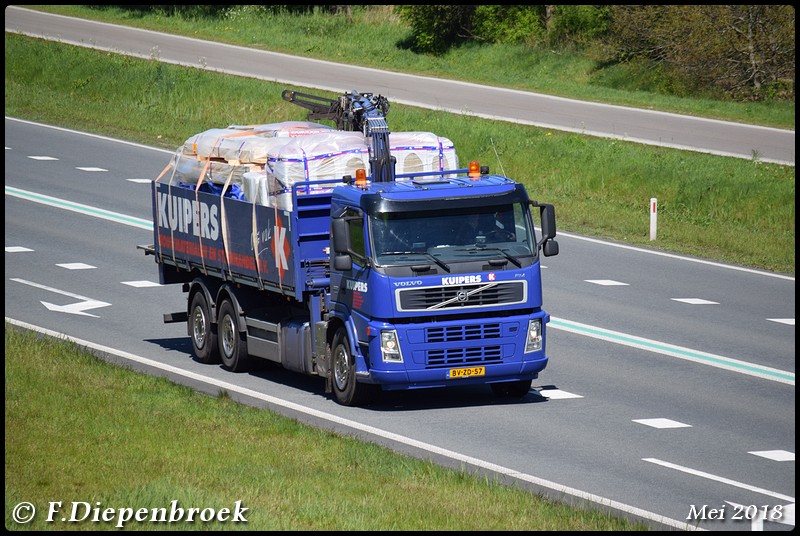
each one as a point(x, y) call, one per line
point(247, 143)
point(188, 170)
point(256, 188)
point(318, 157)
point(332, 155)
point(265, 161)
point(287, 129)
point(422, 151)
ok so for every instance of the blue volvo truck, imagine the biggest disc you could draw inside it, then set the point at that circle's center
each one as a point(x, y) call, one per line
point(373, 280)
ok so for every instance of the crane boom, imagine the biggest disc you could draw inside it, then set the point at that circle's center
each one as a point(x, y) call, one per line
point(355, 111)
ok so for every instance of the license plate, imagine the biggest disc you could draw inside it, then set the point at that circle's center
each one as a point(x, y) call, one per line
point(467, 372)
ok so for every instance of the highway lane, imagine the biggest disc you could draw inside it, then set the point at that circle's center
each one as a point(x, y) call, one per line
point(647, 432)
point(637, 125)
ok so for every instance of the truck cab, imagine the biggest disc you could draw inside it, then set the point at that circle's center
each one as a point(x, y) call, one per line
point(435, 281)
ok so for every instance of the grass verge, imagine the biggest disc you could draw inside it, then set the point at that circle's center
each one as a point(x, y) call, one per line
point(80, 430)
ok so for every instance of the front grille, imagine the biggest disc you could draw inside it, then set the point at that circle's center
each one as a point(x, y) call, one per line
point(462, 333)
point(461, 296)
point(464, 356)
point(470, 344)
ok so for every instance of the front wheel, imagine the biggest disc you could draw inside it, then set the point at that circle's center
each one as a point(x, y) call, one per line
point(515, 389)
point(347, 390)
point(232, 344)
point(204, 339)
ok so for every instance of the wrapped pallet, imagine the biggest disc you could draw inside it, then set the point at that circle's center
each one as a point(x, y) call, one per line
point(249, 143)
point(261, 163)
point(319, 157)
point(422, 151)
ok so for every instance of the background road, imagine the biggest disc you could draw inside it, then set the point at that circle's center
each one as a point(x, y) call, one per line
point(670, 388)
point(643, 126)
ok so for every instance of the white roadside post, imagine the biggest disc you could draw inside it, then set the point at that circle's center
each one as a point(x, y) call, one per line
point(653, 217)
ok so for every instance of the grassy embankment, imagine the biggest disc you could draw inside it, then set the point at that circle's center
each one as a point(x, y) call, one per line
point(80, 429)
point(727, 209)
point(376, 37)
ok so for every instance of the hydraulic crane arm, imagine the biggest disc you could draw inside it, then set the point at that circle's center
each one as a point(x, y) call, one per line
point(354, 111)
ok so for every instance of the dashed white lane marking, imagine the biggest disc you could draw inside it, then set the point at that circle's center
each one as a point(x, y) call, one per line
point(17, 249)
point(141, 284)
point(695, 301)
point(42, 158)
point(719, 479)
point(91, 169)
point(557, 394)
point(787, 321)
point(606, 282)
point(662, 423)
point(76, 266)
point(775, 455)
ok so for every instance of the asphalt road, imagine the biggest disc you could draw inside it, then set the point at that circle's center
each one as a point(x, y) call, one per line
point(642, 126)
point(670, 390)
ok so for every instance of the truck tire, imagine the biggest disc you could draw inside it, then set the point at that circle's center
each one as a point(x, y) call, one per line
point(232, 344)
point(347, 390)
point(204, 339)
point(516, 389)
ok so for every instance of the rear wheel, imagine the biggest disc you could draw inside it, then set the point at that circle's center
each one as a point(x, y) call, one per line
point(515, 389)
point(232, 344)
point(204, 340)
point(347, 390)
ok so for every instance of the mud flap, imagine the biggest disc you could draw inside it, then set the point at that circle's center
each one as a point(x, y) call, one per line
point(322, 354)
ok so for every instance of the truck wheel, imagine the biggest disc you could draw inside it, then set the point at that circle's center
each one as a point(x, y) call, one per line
point(204, 340)
point(232, 344)
point(516, 389)
point(347, 390)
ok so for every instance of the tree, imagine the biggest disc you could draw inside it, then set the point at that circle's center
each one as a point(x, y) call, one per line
point(744, 51)
point(436, 28)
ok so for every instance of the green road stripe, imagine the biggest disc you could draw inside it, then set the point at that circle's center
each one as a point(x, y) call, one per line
point(727, 363)
point(557, 323)
point(82, 209)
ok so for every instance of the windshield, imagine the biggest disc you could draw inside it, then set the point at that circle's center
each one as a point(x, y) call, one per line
point(457, 235)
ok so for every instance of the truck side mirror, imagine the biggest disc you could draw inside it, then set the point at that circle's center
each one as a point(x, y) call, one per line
point(341, 236)
point(548, 213)
point(550, 248)
point(343, 263)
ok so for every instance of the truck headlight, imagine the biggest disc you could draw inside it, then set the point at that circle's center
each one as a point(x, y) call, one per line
point(390, 347)
point(533, 341)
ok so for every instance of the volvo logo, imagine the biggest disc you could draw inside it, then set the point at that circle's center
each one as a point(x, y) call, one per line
point(462, 296)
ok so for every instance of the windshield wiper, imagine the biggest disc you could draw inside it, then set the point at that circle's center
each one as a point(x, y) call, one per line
point(502, 252)
point(426, 254)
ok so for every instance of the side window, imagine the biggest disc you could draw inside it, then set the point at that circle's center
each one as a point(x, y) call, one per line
point(520, 229)
point(357, 237)
point(355, 227)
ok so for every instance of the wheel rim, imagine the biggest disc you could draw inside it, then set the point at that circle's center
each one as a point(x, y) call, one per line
point(228, 336)
point(199, 327)
point(341, 366)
